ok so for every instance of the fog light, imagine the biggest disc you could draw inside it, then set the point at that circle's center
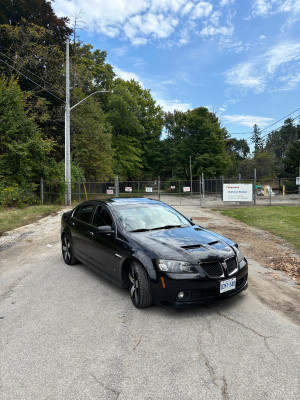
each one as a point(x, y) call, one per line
point(181, 295)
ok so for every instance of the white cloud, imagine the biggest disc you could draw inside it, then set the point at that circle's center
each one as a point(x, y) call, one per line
point(267, 7)
point(261, 7)
point(141, 21)
point(247, 120)
point(224, 3)
point(214, 30)
point(245, 76)
point(171, 105)
point(127, 75)
point(202, 9)
point(267, 70)
point(282, 54)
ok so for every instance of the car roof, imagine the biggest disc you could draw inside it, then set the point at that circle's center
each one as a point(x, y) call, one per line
point(120, 200)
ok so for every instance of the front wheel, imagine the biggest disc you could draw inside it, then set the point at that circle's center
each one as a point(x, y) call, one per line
point(139, 286)
point(67, 251)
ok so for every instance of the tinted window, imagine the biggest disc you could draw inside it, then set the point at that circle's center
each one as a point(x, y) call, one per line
point(85, 213)
point(102, 217)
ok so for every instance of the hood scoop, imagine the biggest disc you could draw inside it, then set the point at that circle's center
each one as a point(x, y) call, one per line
point(195, 247)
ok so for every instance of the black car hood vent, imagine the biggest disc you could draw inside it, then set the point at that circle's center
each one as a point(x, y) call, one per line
point(193, 246)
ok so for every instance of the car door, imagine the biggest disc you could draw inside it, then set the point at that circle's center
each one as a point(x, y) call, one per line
point(104, 252)
point(79, 224)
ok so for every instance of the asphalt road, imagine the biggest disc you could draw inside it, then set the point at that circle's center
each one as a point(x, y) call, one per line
point(68, 334)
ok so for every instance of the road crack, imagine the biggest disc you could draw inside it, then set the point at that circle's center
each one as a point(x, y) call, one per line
point(265, 338)
point(106, 387)
point(224, 389)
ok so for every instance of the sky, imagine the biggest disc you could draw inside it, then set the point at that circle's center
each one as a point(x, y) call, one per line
point(238, 58)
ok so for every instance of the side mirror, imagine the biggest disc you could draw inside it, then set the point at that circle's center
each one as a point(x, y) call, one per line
point(106, 229)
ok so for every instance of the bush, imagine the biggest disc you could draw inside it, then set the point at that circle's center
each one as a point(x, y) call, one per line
point(18, 196)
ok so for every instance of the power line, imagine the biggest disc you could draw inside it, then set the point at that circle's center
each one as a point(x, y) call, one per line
point(27, 77)
point(267, 127)
point(48, 83)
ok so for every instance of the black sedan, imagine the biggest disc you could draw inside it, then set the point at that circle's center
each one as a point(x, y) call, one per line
point(150, 248)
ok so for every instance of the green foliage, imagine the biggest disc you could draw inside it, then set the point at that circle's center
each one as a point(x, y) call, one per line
point(256, 139)
point(23, 150)
point(39, 12)
point(18, 196)
point(91, 140)
point(137, 122)
point(196, 133)
point(266, 167)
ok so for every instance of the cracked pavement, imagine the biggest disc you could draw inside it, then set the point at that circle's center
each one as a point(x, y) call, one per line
point(68, 334)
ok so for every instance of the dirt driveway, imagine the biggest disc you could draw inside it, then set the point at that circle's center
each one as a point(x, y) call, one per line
point(68, 334)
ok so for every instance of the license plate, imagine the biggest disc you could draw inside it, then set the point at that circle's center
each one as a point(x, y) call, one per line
point(227, 285)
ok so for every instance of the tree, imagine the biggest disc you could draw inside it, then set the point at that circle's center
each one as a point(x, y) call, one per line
point(23, 150)
point(91, 139)
point(137, 123)
point(39, 12)
point(256, 139)
point(279, 141)
point(196, 133)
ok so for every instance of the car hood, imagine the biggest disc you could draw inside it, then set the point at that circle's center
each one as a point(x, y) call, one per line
point(191, 244)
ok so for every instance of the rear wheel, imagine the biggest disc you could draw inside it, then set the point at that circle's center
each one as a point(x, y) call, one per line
point(67, 251)
point(139, 286)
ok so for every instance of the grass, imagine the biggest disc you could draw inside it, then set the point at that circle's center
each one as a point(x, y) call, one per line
point(283, 221)
point(12, 218)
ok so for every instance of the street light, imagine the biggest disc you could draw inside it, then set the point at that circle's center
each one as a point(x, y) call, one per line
point(67, 127)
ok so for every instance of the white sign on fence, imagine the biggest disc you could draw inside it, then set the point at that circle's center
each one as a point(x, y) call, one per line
point(237, 192)
point(173, 187)
point(110, 191)
point(128, 189)
point(149, 189)
point(298, 180)
point(187, 189)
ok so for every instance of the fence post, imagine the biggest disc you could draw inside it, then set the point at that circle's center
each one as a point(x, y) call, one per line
point(179, 193)
point(159, 188)
point(299, 185)
point(79, 194)
point(222, 183)
point(116, 186)
point(42, 191)
point(254, 188)
point(203, 191)
point(200, 189)
point(270, 202)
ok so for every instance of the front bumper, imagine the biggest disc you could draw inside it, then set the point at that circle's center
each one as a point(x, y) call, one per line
point(197, 291)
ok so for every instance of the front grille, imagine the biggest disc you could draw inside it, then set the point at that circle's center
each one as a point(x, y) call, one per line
point(213, 269)
point(231, 265)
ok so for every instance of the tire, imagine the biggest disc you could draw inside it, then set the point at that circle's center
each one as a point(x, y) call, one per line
point(67, 251)
point(139, 286)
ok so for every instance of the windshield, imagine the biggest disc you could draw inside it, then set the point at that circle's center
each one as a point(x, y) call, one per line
point(142, 217)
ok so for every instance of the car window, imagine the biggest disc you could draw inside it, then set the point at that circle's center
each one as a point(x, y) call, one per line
point(135, 217)
point(85, 213)
point(101, 217)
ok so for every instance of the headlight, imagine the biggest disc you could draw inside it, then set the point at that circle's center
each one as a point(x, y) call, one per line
point(175, 266)
point(239, 253)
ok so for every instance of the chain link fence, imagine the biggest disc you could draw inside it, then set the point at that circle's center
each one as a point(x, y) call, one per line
point(205, 192)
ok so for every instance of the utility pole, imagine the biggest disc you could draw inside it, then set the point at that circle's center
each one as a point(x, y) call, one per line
point(67, 125)
point(67, 130)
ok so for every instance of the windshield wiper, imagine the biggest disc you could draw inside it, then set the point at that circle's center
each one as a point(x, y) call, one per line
point(168, 227)
point(141, 230)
